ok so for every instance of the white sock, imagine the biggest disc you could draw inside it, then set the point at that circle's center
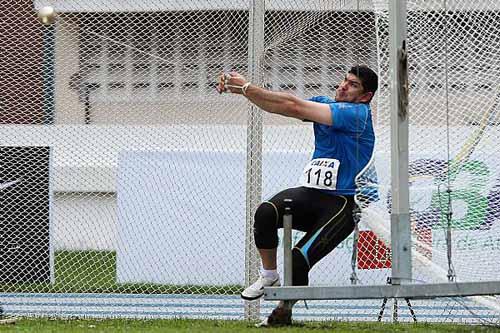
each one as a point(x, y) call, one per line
point(269, 273)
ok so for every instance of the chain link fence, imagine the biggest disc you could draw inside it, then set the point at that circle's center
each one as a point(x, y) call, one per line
point(129, 185)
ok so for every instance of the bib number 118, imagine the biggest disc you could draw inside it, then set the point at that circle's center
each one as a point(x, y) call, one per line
point(321, 173)
point(326, 180)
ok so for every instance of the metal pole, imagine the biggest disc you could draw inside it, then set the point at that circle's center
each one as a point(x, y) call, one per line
point(449, 213)
point(287, 248)
point(400, 221)
point(355, 240)
point(287, 243)
point(48, 73)
point(254, 149)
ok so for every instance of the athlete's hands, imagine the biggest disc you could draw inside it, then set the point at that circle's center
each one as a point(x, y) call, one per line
point(222, 79)
point(232, 82)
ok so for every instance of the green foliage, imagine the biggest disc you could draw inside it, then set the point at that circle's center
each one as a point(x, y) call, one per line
point(95, 272)
point(219, 326)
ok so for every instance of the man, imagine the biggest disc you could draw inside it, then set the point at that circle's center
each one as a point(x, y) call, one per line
point(323, 204)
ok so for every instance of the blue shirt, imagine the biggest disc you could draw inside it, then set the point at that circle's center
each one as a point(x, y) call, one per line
point(350, 140)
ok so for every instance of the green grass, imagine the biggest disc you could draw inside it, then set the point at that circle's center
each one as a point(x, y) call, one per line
point(207, 326)
point(95, 272)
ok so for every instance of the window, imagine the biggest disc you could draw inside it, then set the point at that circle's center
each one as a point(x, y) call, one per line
point(155, 57)
point(151, 57)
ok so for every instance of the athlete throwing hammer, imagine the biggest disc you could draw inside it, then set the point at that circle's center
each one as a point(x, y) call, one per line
point(323, 204)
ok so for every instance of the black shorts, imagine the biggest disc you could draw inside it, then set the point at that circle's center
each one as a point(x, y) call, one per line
point(326, 219)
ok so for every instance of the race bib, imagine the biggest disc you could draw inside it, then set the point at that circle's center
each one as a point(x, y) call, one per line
point(321, 173)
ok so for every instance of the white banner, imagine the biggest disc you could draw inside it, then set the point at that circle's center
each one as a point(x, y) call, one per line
point(186, 240)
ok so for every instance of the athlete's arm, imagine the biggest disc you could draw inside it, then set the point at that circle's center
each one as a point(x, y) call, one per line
point(289, 105)
point(278, 102)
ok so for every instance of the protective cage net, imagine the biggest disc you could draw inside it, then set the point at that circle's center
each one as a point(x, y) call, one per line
point(128, 184)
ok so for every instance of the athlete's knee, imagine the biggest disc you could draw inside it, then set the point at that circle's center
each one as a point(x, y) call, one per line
point(300, 269)
point(266, 226)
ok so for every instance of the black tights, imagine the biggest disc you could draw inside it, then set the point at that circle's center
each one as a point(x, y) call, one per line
point(326, 219)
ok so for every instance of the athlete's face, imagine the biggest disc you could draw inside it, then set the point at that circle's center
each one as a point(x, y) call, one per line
point(351, 90)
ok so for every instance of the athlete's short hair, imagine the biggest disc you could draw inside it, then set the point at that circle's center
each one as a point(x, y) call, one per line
point(369, 78)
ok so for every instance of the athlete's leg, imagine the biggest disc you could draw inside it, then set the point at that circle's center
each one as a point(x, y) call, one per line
point(266, 233)
point(309, 209)
point(269, 218)
point(328, 223)
point(335, 225)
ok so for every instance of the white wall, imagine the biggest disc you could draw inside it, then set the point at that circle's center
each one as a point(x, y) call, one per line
point(84, 221)
point(166, 5)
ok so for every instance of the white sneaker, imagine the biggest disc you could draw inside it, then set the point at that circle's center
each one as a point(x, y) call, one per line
point(256, 290)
